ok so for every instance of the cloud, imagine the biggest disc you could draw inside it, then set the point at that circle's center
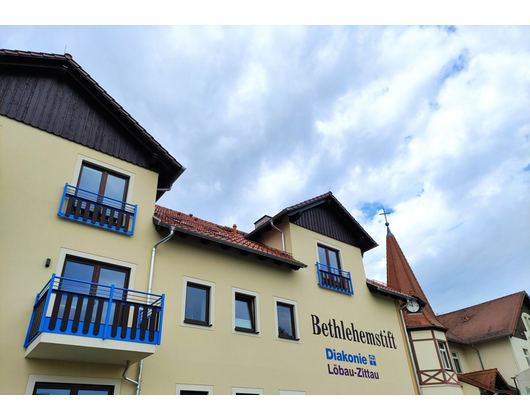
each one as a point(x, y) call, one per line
point(431, 122)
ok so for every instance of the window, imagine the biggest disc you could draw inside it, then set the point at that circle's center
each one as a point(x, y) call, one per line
point(77, 268)
point(456, 361)
point(285, 392)
point(245, 313)
point(527, 356)
point(90, 271)
point(100, 195)
point(197, 305)
point(286, 319)
point(103, 182)
point(56, 388)
point(328, 256)
point(247, 391)
point(330, 274)
point(444, 356)
point(184, 389)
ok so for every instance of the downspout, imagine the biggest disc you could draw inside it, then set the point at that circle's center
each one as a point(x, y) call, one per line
point(479, 358)
point(283, 236)
point(149, 287)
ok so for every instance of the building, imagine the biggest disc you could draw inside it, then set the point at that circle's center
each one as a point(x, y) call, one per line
point(106, 292)
point(475, 350)
point(492, 337)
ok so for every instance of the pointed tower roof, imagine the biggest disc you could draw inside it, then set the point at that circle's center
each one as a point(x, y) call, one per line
point(401, 277)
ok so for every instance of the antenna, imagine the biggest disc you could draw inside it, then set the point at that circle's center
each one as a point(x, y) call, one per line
point(65, 49)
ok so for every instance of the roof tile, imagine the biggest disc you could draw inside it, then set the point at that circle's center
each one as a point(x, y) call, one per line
point(485, 321)
point(225, 233)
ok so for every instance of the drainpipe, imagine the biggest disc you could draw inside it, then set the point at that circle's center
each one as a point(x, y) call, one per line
point(283, 236)
point(150, 285)
point(479, 358)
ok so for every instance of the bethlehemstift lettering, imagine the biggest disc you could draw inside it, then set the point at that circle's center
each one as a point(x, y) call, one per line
point(336, 330)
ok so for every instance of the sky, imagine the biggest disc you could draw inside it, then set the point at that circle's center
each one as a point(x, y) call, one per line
point(431, 123)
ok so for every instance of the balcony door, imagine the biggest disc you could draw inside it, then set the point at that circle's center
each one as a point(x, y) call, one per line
point(328, 256)
point(96, 273)
point(103, 182)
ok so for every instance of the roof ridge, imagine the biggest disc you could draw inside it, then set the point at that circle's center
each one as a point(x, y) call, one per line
point(522, 293)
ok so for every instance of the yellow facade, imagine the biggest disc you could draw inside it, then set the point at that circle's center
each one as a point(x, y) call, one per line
point(35, 166)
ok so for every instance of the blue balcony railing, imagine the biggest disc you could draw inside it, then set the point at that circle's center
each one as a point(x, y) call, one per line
point(334, 278)
point(80, 308)
point(98, 210)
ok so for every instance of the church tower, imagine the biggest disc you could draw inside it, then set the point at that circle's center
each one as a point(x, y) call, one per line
point(430, 350)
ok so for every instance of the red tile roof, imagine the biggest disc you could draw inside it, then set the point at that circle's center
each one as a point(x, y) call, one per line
point(222, 234)
point(489, 379)
point(493, 319)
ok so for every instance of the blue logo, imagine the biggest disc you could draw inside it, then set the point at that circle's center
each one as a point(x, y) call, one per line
point(372, 360)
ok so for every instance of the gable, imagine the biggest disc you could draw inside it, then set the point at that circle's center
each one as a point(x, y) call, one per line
point(324, 220)
point(52, 93)
point(323, 214)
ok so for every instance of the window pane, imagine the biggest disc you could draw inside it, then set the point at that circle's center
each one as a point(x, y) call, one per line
point(108, 277)
point(244, 313)
point(92, 392)
point(323, 259)
point(46, 391)
point(115, 187)
point(285, 324)
point(90, 179)
point(184, 392)
point(196, 299)
point(78, 271)
point(333, 259)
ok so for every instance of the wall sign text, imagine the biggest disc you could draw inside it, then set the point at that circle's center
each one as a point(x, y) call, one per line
point(334, 330)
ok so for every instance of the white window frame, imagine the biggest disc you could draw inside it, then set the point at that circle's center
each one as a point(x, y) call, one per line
point(457, 363)
point(294, 304)
point(257, 391)
point(211, 308)
point(446, 361)
point(187, 387)
point(526, 323)
point(286, 392)
point(527, 356)
point(257, 321)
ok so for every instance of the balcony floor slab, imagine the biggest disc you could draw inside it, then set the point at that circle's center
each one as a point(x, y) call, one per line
point(87, 349)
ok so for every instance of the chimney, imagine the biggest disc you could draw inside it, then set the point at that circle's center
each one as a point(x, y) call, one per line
point(262, 221)
point(235, 230)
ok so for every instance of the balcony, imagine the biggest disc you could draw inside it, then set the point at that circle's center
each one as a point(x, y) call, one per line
point(334, 279)
point(81, 321)
point(97, 210)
